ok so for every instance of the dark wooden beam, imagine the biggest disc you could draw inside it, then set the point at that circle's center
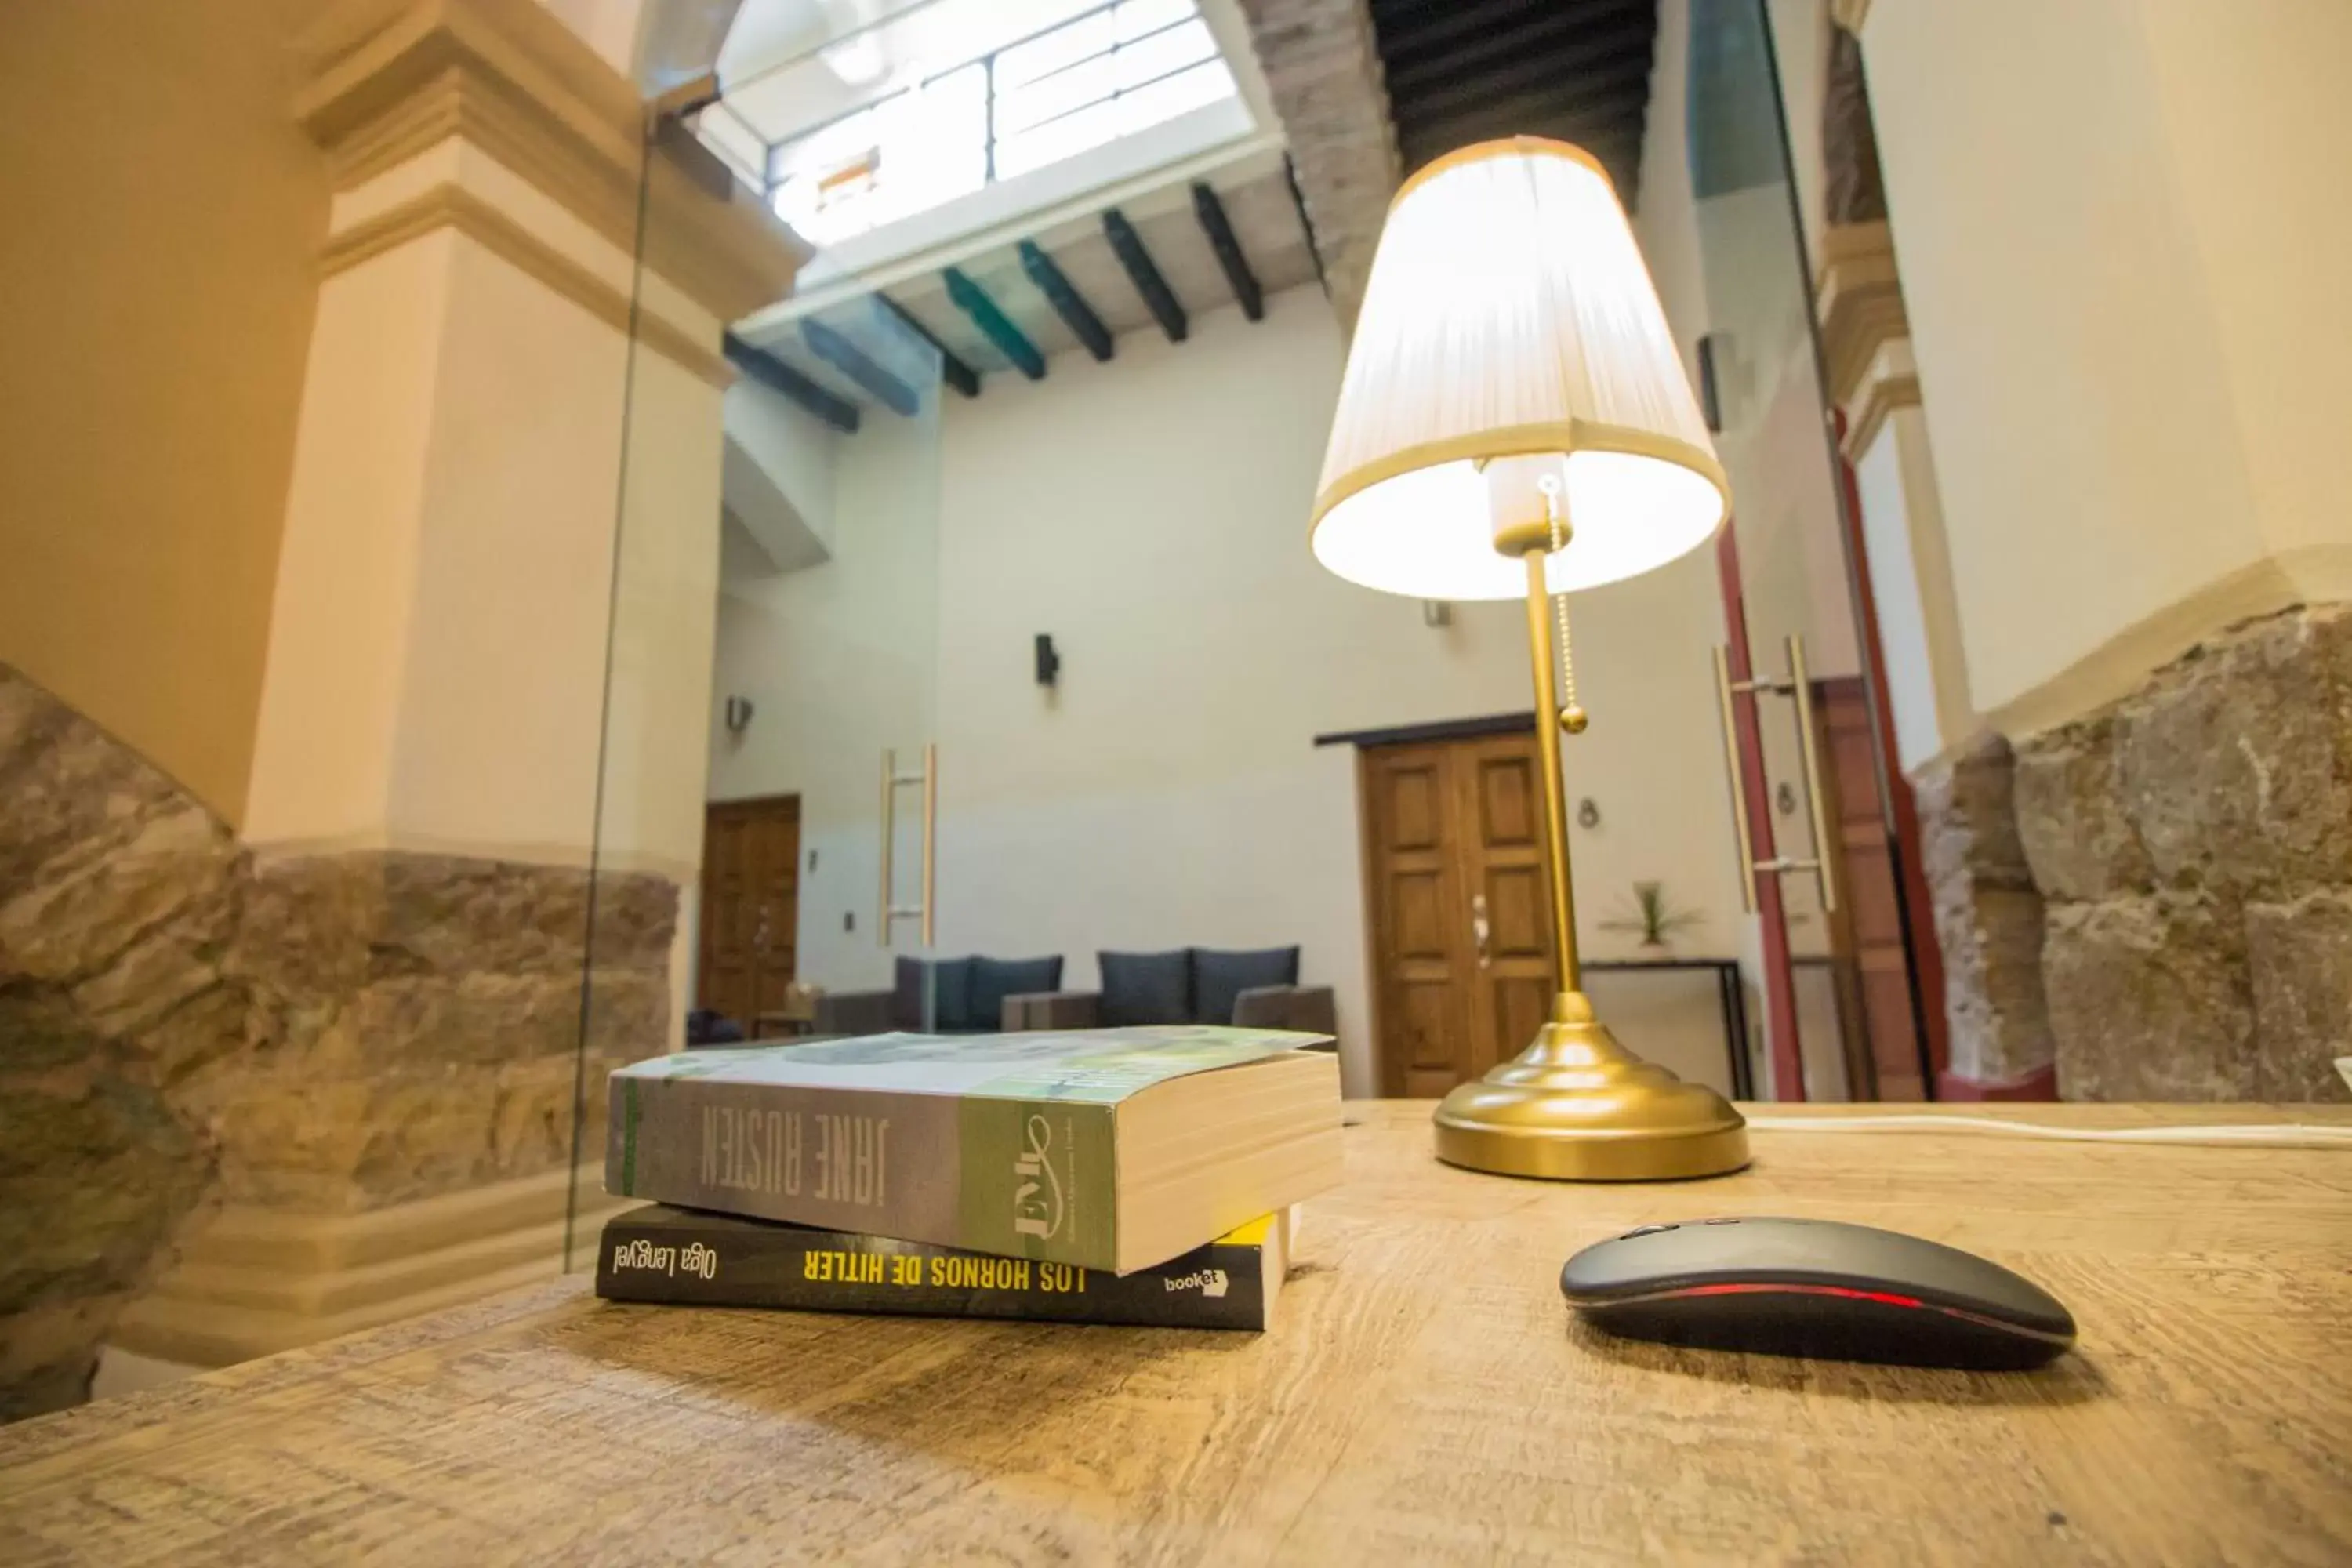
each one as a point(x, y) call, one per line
point(1563, 39)
point(777, 377)
point(1068, 302)
point(836, 347)
point(1616, 142)
point(1408, 45)
point(1212, 214)
point(1306, 223)
point(953, 370)
point(994, 325)
point(1527, 96)
point(1128, 245)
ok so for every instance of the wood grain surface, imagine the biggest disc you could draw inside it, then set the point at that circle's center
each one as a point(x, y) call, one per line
point(1423, 1397)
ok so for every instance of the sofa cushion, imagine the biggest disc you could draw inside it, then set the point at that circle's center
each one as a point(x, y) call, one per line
point(948, 981)
point(1146, 987)
point(994, 979)
point(1218, 977)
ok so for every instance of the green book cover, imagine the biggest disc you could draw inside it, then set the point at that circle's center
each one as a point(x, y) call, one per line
point(1003, 1143)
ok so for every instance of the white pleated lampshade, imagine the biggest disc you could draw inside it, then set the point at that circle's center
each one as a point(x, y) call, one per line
point(1509, 315)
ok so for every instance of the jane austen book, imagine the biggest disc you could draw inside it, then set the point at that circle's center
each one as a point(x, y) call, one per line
point(679, 1257)
point(1108, 1149)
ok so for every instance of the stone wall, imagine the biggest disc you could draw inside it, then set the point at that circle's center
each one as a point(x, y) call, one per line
point(1322, 66)
point(1989, 919)
point(2157, 898)
point(179, 1026)
point(2194, 844)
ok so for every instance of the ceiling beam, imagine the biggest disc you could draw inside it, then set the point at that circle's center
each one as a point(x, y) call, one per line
point(1068, 302)
point(777, 377)
point(1305, 224)
point(836, 348)
point(1582, 35)
point(1618, 147)
point(1144, 273)
point(994, 325)
point(1527, 95)
point(1588, 123)
point(952, 369)
point(1408, 40)
point(1214, 223)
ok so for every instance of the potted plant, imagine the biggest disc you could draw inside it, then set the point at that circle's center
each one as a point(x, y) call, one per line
point(1653, 916)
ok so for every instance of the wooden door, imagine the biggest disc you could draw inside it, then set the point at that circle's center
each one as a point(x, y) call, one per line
point(1866, 933)
point(1460, 943)
point(751, 906)
point(1499, 781)
point(1422, 953)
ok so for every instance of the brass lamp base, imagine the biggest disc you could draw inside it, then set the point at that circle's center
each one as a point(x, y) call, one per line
point(1575, 1105)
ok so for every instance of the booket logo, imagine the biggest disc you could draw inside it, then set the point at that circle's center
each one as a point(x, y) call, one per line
point(1037, 1203)
point(1208, 1282)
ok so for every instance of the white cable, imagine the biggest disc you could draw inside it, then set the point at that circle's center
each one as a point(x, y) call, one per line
point(2274, 1135)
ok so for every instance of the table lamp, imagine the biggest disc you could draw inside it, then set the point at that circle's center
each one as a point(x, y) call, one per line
point(1515, 420)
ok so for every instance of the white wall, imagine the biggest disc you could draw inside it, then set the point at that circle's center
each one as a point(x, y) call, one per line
point(2122, 261)
point(1150, 514)
point(778, 479)
point(841, 660)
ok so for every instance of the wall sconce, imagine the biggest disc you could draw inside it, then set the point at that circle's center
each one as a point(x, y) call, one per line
point(738, 715)
point(1049, 663)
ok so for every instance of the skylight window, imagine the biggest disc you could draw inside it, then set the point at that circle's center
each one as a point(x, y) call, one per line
point(1032, 101)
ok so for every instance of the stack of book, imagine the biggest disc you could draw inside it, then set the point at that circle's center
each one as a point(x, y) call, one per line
point(1140, 1175)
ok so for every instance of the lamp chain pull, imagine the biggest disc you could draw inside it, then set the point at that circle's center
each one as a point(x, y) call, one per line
point(1572, 717)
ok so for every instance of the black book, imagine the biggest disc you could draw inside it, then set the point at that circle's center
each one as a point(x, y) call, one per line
point(686, 1257)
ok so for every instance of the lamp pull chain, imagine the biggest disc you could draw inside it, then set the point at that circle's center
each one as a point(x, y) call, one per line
point(1572, 717)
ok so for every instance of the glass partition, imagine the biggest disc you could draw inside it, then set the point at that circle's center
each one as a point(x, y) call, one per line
point(982, 677)
point(768, 773)
point(1808, 702)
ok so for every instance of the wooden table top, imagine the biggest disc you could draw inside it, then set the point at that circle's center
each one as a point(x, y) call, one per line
point(1424, 1396)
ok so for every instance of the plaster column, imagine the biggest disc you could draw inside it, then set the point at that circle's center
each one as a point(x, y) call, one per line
point(424, 795)
point(2121, 269)
point(1987, 918)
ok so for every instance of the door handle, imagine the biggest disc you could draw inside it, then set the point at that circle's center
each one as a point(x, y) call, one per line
point(1797, 684)
point(1738, 787)
point(892, 782)
point(1809, 755)
point(1479, 928)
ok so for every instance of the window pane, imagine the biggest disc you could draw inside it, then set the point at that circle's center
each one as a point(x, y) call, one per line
point(1062, 46)
point(1166, 100)
point(1164, 54)
point(1056, 140)
point(1065, 90)
point(1137, 17)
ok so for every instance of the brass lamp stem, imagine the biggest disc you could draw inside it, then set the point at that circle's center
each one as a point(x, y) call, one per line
point(1576, 1105)
point(1555, 782)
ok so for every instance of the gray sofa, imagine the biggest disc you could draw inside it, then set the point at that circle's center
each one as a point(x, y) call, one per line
point(940, 996)
point(1252, 990)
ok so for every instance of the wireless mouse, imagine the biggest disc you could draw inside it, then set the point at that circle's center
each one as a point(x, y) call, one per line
point(1815, 1288)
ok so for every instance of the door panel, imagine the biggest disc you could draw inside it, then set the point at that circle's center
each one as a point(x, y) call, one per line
point(1502, 848)
point(1422, 954)
point(750, 907)
point(775, 835)
point(1867, 933)
point(725, 985)
point(1464, 969)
